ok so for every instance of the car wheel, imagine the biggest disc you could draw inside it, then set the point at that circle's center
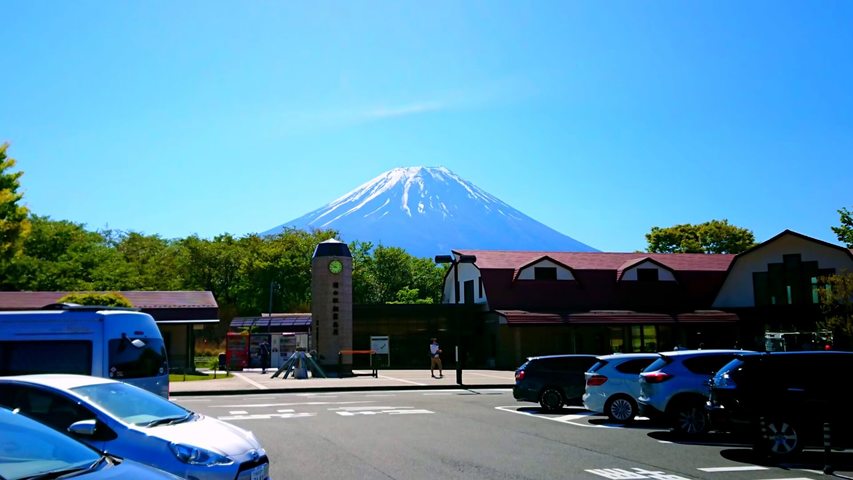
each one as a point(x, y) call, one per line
point(551, 399)
point(620, 409)
point(690, 418)
point(780, 439)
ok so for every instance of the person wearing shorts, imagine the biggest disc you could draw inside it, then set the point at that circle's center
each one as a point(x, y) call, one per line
point(435, 358)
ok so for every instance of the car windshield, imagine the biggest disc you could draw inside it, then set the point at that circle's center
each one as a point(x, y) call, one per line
point(35, 449)
point(132, 404)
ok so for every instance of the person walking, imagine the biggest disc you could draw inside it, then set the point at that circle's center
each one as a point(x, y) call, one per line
point(264, 353)
point(435, 358)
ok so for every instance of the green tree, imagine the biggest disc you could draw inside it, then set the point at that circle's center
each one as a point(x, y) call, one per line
point(109, 299)
point(14, 224)
point(836, 300)
point(61, 255)
point(148, 261)
point(715, 236)
point(845, 230)
point(390, 275)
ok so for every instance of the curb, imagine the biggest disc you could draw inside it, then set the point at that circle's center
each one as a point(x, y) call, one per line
point(338, 389)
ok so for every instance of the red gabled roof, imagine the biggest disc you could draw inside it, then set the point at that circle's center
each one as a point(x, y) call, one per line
point(534, 262)
point(139, 299)
point(508, 259)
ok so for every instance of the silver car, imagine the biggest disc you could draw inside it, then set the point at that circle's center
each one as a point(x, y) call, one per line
point(136, 424)
point(612, 385)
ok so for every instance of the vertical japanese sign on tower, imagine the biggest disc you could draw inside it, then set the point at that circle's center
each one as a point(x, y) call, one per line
point(331, 303)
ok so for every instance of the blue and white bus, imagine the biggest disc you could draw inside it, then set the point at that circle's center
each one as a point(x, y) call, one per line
point(119, 343)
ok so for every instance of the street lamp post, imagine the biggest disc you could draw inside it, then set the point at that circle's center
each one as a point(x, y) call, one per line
point(454, 262)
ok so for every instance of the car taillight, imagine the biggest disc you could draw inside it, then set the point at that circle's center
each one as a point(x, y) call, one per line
point(596, 380)
point(655, 377)
point(519, 375)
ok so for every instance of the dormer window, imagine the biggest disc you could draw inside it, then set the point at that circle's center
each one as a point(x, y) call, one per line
point(647, 274)
point(545, 273)
point(544, 268)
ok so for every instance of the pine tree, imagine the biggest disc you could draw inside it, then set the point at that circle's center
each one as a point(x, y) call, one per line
point(14, 225)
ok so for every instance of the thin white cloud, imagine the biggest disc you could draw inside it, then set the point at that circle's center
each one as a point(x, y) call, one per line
point(403, 110)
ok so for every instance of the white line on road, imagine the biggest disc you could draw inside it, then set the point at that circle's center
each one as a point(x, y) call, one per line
point(237, 412)
point(402, 380)
point(285, 410)
point(795, 478)
point(290, 404)
point(747, 468)
point(267, 416)
point(564, 419)
point(250, 381)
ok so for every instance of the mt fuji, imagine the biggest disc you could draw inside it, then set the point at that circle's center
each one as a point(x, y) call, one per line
point(428, 211)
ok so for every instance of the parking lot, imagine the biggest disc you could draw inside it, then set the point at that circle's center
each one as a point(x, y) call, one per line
point(478, 433)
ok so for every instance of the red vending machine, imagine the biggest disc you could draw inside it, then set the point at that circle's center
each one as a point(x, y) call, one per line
point(237, 350)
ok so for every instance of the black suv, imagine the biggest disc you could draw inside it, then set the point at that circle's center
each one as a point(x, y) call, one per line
point(783, 399)
point(552, 380)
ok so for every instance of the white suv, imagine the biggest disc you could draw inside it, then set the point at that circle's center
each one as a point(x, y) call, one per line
point(675, 387)
point(612, 386)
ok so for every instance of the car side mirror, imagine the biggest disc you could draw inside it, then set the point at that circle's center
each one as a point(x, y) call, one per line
point(83, 427)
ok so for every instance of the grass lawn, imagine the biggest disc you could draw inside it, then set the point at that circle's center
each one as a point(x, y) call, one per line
point(179, 377)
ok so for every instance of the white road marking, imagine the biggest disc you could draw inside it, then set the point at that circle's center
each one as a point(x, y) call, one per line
point(238, 412)
point(250, 381)
point(267, 416)
point(359, 409)
point(402, 380)
point(794, 478)
point(747, 468)
point(286, 410)
point(290, 404)
point(564, 419)
point(385, 410)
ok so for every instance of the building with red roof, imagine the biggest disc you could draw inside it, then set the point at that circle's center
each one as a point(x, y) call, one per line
point(537, 303)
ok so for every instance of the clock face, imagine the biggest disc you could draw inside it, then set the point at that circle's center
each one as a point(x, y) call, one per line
point(335, 266)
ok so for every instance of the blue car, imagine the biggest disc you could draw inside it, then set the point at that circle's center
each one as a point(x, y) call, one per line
point(32, 450)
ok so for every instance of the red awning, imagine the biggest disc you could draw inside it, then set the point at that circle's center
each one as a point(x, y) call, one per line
point(707, 316)
point(619, 317)
point(521, 317)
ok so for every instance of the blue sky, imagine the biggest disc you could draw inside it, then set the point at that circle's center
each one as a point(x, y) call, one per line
point(599, 119)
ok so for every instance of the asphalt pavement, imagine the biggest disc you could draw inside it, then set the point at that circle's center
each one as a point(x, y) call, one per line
point(253, 381)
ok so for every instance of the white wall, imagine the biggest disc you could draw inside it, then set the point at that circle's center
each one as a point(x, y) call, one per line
point(528, 273)
point(737, 290)
point(467, 271)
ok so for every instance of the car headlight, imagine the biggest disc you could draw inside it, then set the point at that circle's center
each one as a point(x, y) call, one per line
point(198, 456)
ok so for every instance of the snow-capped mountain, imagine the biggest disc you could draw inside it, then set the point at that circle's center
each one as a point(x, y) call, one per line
point(428, 211)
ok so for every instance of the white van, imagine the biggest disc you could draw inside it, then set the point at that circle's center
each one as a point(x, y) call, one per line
point(119, 343)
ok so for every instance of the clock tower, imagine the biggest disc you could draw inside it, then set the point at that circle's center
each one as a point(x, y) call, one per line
point(331, 304)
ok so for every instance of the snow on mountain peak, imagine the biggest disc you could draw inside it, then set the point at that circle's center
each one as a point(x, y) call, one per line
point(429, 210)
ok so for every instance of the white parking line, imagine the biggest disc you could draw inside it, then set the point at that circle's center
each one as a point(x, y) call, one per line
point(289, 404)
point(564, 419)
point(747, 468)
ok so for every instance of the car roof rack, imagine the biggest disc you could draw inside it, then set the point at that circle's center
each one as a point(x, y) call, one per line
point(76, 307)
